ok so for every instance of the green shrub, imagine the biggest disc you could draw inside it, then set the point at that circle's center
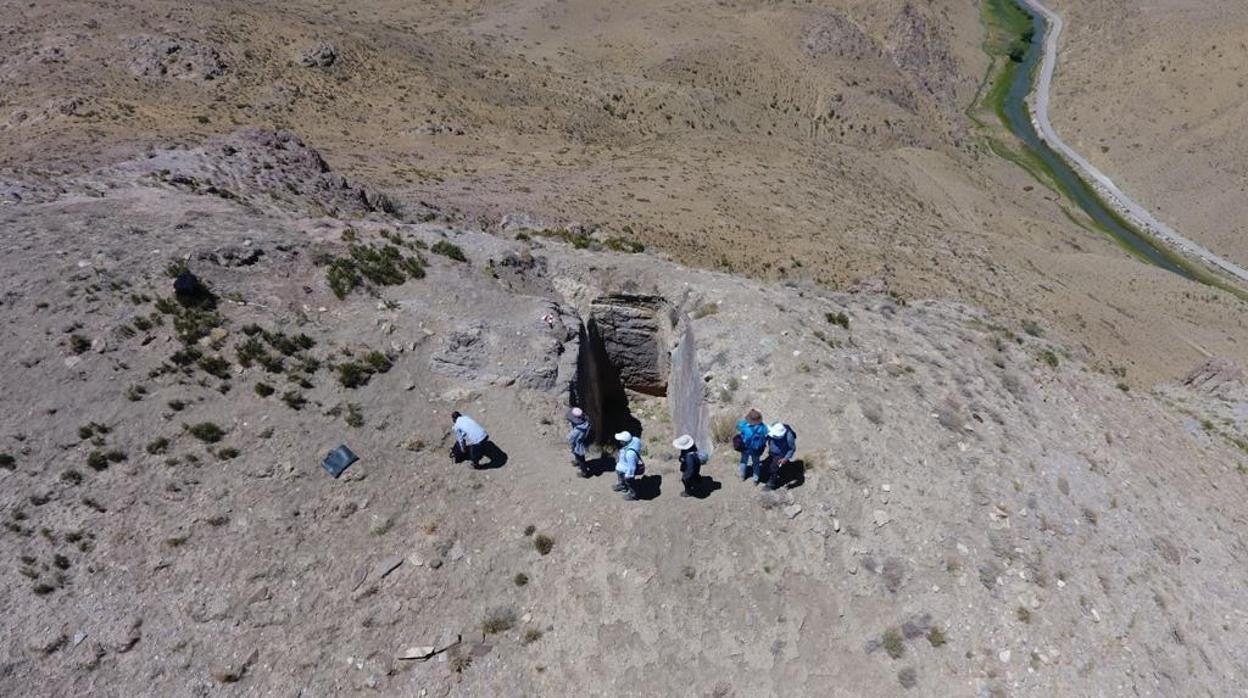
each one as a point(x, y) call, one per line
point(543, 543)
point(624, 245)
point(294, 400)
point(207, 432)
point(264, 389)
point(227, 453)
point(78, 344)
point(837, 319)
point(893, 643)
point(215, 366)
point(97, 461)
point(158, 446)
point(7, 462)
point(448, 249)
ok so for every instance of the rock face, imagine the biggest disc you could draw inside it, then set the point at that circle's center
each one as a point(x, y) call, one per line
point(166, 56)
point(686, 391)
point(633, 333)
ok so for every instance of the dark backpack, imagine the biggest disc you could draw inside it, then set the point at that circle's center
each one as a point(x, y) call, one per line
point(738, 443)
point(641, 464)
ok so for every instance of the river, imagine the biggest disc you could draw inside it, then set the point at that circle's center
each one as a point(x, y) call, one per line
point(1018, 119)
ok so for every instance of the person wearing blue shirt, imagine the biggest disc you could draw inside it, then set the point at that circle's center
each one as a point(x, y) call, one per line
point(781, 447)
point(628, 465)
point(752, 434)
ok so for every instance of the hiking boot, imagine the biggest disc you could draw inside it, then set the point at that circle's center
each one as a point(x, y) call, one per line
point(685, 493)
point(630, 497)
point(619, 488)
point(582, 473)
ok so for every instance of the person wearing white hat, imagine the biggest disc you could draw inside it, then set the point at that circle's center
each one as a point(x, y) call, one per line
point(578, 439)
point(781, 447)
point(690, 463)
point(628, 464)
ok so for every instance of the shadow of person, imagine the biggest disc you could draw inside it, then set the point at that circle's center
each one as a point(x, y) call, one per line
point(704, 487)
point(649, 487)
point(492, 456)
point(601, 465)
point(792, 475)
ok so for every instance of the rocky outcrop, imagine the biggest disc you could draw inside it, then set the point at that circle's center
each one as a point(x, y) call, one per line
point(633, 331)
point(171, 57)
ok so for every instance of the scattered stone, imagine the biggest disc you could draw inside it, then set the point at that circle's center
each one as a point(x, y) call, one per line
point(234, 671)
point(917, 626)
point(386, 566)
point(792, 510)
point(319, 56)
point(1004, 656)
point(435, 564)
point(422, 652)
point(880, 517)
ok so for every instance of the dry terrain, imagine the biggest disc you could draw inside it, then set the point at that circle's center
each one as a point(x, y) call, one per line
point(1173, 74)
point(822, 141)
point(976, 511)
point(1022, 455)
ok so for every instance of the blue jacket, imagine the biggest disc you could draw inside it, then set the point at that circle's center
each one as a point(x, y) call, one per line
point(754, 436)
point(626, 460)
point(578, 438)
point(783, 447)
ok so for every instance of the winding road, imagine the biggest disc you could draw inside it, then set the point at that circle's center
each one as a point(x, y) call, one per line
point(1136, 214)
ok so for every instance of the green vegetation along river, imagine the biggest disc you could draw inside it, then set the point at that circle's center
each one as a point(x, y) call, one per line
point(1008, 96)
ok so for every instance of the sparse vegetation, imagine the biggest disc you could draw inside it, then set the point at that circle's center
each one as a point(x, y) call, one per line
point(383, 266)
point(157, 446)
point(543, 543)
point(7, 462)
point(498, 619)
point(520, 579)
point(838, 318)
point(618, 244)
point(936, 636)
point(354, 374)
point(264, 389)
point(448, 249)
point(723, 428)
point(354, 417)
point(294, 399)
point(79, 344)
point(227, 453)
point(97, 461)
point(531, 635)
point(1049, 358)
point(530, 530)
point(206, 432)
point(893, 643)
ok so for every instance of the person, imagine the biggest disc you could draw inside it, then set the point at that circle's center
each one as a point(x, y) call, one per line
point(578, 439)
point(691, 461)
point(781, 446)
point(628, 465)
point(470, 439)
point(752, 438)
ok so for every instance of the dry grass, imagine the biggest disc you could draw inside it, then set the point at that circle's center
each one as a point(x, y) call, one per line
point(543, 543)
point(498, 619)
point(723, 428)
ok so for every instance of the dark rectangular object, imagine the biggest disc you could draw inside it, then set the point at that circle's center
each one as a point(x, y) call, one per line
point(339, 460)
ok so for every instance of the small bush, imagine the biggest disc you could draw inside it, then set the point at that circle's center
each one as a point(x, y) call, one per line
point(71, 477)
point(1023, 615)
point(97, 461)
point(531, 635)
point(936, 636)
point(723, 428)
point(227, 453)
point(893, 643)
point(1048, 357)
point(115, 455)
point(624, 245)
point(521, 579)
point(78, 344)
point(176, 405)
point(837, 319)
point(530, 530)
point(908, 678)
point(158, 446)
point(448, 249)
point(135, 393)
point(264, 389)
point(7, 462)
point(294, 399)
point(497, 620)
point(354, 418)
point(177, 541)
point(207, 432)
point(543, 543)
point(705, 310)
point(215, 366)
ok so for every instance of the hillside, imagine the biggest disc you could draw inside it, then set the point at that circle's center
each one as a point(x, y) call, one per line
point(980, 512)
point(819, 142)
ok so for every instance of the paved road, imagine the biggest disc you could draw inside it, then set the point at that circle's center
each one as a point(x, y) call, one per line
point(1123, 204)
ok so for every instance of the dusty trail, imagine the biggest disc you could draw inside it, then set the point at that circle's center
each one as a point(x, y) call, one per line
point(1119, 200)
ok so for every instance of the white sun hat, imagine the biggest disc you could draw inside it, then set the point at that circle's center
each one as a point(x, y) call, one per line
point(777, 430)
point(623, 437)
point(683, 441)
